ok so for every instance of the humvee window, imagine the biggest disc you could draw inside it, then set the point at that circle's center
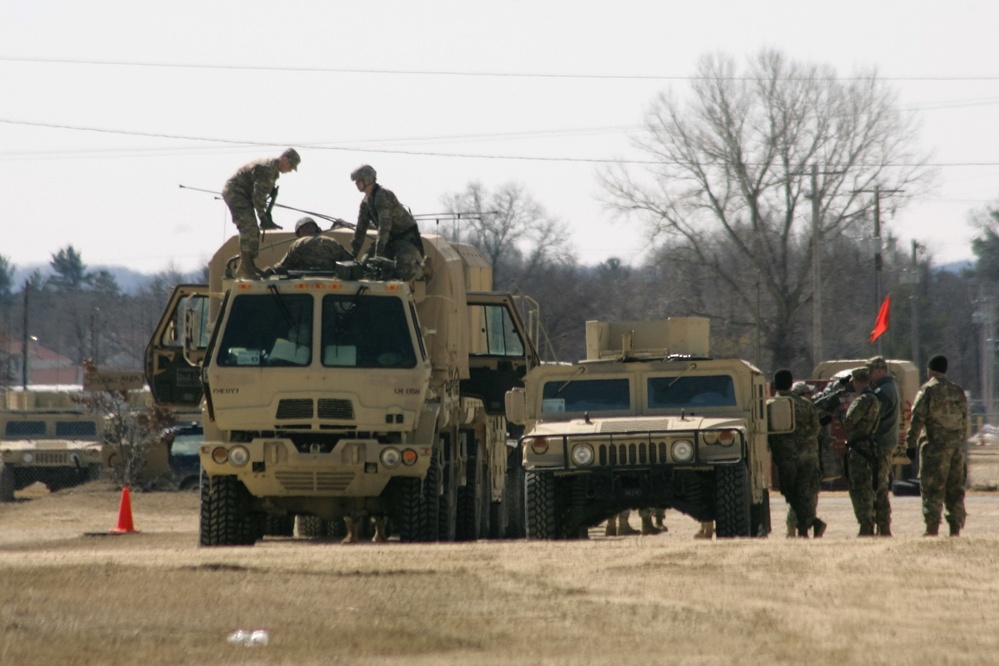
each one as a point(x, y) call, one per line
point(366, 332)
point(268, 330)
point(76, 429)
point(34, 429)
point(586, 395)
point(690, 392)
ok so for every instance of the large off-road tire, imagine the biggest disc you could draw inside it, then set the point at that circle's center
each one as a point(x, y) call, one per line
point(415, 524)
point(539, 499)
point(7, 483)
point(283, 526)
point(760, 517)
point(311, 527)
point(513, 502)
point(570, 500)
point(225, 519)
point(732, 501)
point(447, 500)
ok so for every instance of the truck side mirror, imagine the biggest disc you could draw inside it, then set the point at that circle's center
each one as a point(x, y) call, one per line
point(780, 415)
point(516, 406)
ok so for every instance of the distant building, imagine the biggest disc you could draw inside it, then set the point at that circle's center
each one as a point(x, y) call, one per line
point(44, 365)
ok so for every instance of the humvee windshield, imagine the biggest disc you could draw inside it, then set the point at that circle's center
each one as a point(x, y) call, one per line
point(586, 395)
point(35, 429)
point(679, 392)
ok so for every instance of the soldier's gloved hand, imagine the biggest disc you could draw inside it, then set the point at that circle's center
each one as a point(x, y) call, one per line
point(845, 381)
point(825, 420)
point(267, 223)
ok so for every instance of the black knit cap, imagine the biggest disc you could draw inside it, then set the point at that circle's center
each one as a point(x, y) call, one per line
point(783, 380)
point(938, 364)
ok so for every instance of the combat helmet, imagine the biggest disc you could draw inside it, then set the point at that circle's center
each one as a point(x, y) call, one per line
point(363, 172)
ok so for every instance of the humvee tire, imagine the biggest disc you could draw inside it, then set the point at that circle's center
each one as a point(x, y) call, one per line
point(225, 519)
point(539, 499)
point(732, 501)
point(7, 483)
point(311, 527)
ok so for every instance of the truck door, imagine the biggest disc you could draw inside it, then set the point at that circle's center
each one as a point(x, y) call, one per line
point(174, 353)
point(500, 351)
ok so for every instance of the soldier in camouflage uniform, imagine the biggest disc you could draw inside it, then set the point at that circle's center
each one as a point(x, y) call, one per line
point(860, 424)
point(246, 193)
point(942, 409)
point(886, 439)
point(312, 251)
point(398, 234)
point(796, 455)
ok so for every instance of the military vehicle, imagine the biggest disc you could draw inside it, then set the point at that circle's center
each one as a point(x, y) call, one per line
point(343, 393)
point(649, 419)
point(905, 471)
point(45, 436)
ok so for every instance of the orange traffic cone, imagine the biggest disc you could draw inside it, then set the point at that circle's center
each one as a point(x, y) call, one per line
point(124, 515)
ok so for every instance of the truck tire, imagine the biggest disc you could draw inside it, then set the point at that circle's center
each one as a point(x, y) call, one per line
point(225, 519)
point(760, 517)
point(283, 526)
point(539, 499)
point(7, 483)
point(732, 501)
point(513, 501)
point(311, 527)
point(470, 517)
point(415, 524)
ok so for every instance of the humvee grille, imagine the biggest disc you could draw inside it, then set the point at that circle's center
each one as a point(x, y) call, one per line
point(294, 409)
point(335, 409)
point(314, 481)
point(632, 453)
point(52, 457)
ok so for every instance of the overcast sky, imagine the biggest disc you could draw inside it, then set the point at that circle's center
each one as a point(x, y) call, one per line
point(107, 107)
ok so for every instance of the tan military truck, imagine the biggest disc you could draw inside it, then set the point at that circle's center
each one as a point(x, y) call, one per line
point(344, 393)
point(47, 437)
point(649, 419)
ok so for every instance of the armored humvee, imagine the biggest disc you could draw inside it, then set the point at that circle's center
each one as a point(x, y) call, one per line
point(45, 436)
point(648, 420)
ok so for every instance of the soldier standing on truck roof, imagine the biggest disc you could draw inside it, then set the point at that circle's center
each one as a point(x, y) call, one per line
point(312, 251)
point(942, 409)
point(886, 439)
point(398, 233)
point(860, 424)
point(246, 193)
point(796, 455)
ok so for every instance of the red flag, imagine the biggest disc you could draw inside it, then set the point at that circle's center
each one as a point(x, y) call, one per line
point(881, 325)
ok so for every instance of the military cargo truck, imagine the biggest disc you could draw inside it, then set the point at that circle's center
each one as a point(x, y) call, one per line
point(45, 436)
point(343, 393)
point(648, 420)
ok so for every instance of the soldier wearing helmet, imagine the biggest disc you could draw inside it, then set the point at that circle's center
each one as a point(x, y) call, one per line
point(312, 251)
point(247, 193)
point(398, 235)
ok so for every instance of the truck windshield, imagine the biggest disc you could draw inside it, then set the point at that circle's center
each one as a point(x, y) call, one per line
point(268, 330)
point(366, 332)
point(692, 391)
point(586, 395)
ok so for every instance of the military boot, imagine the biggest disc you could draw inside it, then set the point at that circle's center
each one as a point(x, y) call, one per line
point(351, 530)
point(611, 529)
point(623, 527)
point(707, 530)
point(381, 529)
point(247, 269)
point(648, 529)
point(884, 529)
point(932, 530)
point(818, 528)
point(866, 529)
point(955, 529)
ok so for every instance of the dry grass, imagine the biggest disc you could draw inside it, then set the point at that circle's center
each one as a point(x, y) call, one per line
point(155, 598)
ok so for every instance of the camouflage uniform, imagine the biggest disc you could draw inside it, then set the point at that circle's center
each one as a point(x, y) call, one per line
point(312, 253)
point(942, 409)
point(860, 424)
point(796, 455)
point(886, 439)
point(246, 195)
point(398, 234)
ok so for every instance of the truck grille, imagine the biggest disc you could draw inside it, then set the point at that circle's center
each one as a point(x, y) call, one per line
point(294, 409)
point(335, 409)
point(52, 458)
point(632, 453)
point(293, 481)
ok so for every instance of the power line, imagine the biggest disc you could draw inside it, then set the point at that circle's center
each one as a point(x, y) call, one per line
point(419, 72)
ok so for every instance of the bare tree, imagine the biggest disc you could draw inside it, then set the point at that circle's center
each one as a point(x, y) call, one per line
point(731, 174)
point(513, 230)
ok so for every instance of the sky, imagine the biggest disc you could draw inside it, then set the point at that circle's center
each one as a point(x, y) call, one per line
point(113, 114)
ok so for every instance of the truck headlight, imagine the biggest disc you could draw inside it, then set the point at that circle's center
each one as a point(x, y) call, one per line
point(582, 455)
point(239, 456)
point(390, 457)
point(682, 450)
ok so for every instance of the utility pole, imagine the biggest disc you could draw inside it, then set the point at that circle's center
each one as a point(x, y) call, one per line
point(877, 247)
point(24, 340)
point(816, 270)
point(913, 300)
